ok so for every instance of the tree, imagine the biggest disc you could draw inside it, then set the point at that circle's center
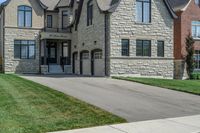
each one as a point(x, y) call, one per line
point(190, 55)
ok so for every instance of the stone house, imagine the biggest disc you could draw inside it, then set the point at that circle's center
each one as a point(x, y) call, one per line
point(188, 22)
point(88, 37)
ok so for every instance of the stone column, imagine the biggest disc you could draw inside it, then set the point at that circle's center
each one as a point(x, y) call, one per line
point(45, 51)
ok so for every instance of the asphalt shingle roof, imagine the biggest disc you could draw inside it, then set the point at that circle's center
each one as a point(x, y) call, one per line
point(178, 4)
point(50, 4)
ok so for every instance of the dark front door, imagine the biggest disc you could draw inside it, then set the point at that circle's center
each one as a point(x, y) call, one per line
point(52, 53)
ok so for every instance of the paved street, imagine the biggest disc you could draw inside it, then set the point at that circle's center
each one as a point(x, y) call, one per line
point(132, 101)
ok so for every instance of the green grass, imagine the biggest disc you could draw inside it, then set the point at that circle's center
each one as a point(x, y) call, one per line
point(189, 86)
point(28, 107)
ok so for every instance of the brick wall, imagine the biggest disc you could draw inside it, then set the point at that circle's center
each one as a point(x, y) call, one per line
point(183, 27)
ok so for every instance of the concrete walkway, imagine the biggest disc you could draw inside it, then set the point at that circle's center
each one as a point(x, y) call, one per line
point(175, 125)
point(132, 101)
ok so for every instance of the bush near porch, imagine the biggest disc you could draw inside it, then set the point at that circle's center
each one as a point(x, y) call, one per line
point(28, 107)
point(195, 76)
point(189, 86)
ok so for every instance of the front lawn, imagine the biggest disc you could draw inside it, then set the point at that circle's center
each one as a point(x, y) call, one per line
point(190, 86)
point(28, 107)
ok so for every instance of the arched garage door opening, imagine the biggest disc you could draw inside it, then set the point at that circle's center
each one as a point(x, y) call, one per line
point(75, 63)
point(85, 63)
point(97, 63)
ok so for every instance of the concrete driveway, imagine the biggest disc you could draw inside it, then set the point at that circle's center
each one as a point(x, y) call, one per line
point(132, 101)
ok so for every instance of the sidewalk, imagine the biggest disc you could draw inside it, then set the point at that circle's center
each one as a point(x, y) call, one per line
point(190, 124)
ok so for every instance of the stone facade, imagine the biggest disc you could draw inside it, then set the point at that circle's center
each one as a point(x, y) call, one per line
point(122, 26)
point(101, 40)
point(89, 37)
point(20, 65)
point(13, 32)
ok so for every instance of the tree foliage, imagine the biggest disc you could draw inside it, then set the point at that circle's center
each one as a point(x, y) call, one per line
point(190, 55)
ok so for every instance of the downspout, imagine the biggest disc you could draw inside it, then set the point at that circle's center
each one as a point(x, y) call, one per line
point(3, 62)
point(106, 44)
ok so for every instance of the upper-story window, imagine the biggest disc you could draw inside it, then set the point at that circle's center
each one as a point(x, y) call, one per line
point(49, 21)
point(197, 2)
point(89, 12)
point(64, 19)
point(143, 11)
point(196, 29)
point(24, 16)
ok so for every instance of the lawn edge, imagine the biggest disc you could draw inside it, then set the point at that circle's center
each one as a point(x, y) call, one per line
point(125, 79)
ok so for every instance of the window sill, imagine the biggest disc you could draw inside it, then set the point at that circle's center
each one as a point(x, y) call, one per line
point(22, 59)
point(141, 23)
point(142, 57)
point(196, 39)
point(24, 27)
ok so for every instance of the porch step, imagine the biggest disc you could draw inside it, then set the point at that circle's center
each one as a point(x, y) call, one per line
point(55, 69)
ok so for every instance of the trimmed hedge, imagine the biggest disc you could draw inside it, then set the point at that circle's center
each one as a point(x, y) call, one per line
point(195, 76)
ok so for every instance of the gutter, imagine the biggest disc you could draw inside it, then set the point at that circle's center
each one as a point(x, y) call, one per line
point(3, 41)
point(106, 43)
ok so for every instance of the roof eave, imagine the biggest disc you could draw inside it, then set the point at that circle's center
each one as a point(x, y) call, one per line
point(171, 11)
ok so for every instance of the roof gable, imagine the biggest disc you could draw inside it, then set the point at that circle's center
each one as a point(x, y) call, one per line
point(179, 5)
point(8, 1)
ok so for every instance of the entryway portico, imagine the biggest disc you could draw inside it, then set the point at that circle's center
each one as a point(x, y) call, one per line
point(55, 53)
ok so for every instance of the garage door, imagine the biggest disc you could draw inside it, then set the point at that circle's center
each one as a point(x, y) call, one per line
point(75, 63)
point(85, 64)
point(98, 64)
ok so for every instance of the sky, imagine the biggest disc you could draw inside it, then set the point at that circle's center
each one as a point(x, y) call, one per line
point(2, 1)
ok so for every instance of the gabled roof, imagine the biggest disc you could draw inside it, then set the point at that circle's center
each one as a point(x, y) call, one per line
point(106, 5)
point(50, 4)
point(7, 2)
point(179, 5)
point(47, 4)
point(64, 3)
point(111, 5)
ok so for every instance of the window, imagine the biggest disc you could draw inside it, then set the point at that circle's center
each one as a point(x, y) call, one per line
point(125, 47)
point(24, 49)
point(143, 11)
point(143, 48)
point(196, 29)
point(24, 16)
point(197, 59)
point(197, 2)
point(160, 49)
point(49, 21)
point(64, 19)
point(65, 50)
point(98, 55)
point(85, 56)
point(89, 12)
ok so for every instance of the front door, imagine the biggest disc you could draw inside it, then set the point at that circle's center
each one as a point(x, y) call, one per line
point(52, 53)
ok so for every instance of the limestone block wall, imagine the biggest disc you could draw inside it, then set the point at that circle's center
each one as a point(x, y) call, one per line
point(89, 37)
point(123, 25)
point(12, 65)
point(11, 13)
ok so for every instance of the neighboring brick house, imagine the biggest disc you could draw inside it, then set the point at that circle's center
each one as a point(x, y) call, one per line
point(188, 22)
point(100, 38)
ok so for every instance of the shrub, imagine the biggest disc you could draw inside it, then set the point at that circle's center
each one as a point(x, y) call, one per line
point(190, 53)
point(195, 76)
